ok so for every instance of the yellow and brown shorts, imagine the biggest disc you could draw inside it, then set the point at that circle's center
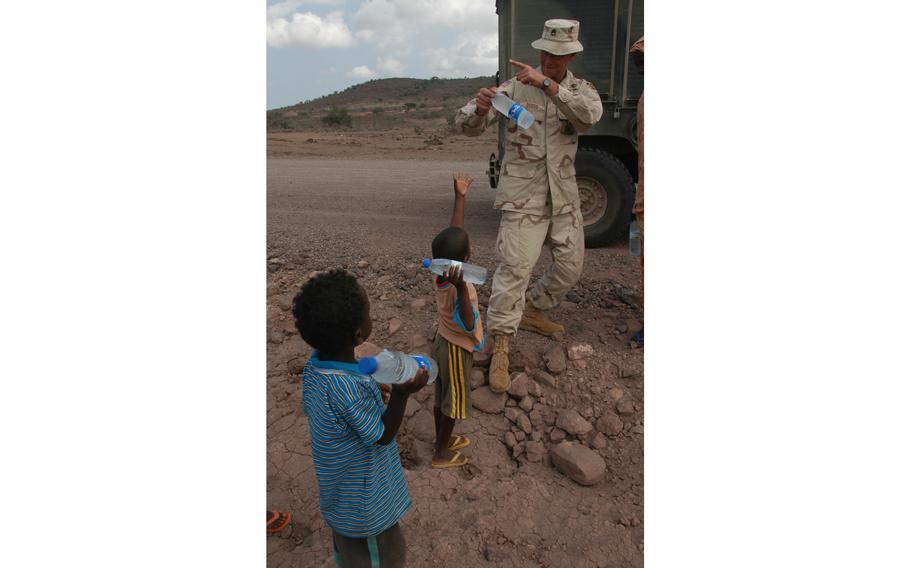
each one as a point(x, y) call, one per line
point(453, 389)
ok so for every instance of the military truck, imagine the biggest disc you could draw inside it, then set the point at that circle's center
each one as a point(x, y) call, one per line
point(607, 161)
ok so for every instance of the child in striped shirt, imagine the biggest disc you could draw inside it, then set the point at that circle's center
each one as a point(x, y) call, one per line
point(362, 490)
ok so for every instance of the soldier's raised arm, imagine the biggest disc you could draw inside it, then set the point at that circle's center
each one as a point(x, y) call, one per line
point(473, 118)
point(581, 105)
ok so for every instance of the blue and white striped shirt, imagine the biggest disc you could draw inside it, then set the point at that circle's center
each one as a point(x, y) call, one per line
point(362, 490)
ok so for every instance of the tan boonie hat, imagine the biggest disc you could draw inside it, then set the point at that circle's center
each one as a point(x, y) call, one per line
point(560, 37)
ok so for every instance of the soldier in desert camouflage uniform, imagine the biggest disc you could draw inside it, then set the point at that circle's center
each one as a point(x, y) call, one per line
point(537, 192)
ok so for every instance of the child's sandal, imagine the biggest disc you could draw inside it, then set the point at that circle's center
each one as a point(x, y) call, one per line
point(459, 442)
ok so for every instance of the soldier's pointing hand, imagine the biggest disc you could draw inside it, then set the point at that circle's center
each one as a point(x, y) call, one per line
point(528, 75)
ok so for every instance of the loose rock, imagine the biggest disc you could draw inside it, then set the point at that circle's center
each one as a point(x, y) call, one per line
point(518, 360)
point(362, 264)
point(616, 393)
point(536, 418)
point(485, 400)
point(557, 435)
point(579, 463)
point(482, 357)
point(366, 349)
point(394, 325)
point(625, 406)
point(573, 423)
point(535, 451)
point(526, 404)
point(417, 340)
point(524, 423)
point(519, 387)
point(580, 351)
point(555, 358)
point(509, 439)
point(476, 378)
point(418, 304)
point(599, 442)
point(286, 301)
point(518, 449)
point(544, 377)
point(609, 424)
point(512, 414)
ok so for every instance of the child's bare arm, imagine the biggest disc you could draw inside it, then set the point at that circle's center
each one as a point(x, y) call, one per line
point(462, 181)
point(465, 308)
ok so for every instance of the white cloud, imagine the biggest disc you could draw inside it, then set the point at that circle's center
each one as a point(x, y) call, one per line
point(390, 66)
point(363, 72)
point(306, 29)
point(282, 9)
point(288, 7)
point(397, 23)
point(474, 53)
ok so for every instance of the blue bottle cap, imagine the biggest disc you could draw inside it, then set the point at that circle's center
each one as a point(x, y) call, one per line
point(426, 263)
point(367, 365)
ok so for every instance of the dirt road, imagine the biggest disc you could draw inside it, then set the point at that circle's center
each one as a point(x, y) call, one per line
point(376, 218)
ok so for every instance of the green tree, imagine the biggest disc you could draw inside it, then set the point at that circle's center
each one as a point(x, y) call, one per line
point(337, 116)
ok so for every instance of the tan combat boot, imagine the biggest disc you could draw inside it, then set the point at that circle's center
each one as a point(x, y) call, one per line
point(537, 321)
point(499, 364)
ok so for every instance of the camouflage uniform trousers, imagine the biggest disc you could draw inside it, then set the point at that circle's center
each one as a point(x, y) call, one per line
point(520, 240)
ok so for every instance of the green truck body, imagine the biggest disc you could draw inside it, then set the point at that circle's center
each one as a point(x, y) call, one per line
point(607, 160)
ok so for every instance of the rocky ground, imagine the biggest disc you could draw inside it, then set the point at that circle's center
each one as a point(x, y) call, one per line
point(556, 464)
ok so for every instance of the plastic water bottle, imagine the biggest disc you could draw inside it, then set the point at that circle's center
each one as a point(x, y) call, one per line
point(634, 238)
point(392, 367)
point(513, 110)
point(471, 272)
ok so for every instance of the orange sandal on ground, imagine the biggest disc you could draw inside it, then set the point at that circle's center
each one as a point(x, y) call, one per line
point(459, 442)
point(276, 520)
point(457, 460)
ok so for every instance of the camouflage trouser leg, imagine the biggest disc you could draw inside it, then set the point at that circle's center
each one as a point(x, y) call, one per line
point(518, 244)
point(567, 243)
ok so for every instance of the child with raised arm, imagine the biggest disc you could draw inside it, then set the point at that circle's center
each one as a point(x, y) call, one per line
point(459, 334)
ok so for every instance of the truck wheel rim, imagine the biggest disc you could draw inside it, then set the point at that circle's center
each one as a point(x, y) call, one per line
point(593, 199)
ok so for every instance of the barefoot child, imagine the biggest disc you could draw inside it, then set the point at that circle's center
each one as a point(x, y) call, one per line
point(459, 334)
point(362, 490)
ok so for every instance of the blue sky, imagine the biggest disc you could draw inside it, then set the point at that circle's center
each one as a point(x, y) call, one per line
point(316, 47)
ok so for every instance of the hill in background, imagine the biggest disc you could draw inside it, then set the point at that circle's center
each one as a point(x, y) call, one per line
point(379, 104)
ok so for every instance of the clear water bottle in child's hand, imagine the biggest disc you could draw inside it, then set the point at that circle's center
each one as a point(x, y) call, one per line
point(513, 110)
point(471, 272)
point(392, 367)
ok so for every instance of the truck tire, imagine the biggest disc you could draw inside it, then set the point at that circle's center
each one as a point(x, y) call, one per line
point(606, 191)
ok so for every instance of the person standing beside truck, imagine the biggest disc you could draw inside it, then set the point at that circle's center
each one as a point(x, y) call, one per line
point(637, 52)
point(537, 192)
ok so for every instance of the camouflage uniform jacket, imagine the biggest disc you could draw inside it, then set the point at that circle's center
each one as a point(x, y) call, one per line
point(538, 167)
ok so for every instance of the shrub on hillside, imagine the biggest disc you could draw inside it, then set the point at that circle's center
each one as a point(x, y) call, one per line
point(337, 116)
